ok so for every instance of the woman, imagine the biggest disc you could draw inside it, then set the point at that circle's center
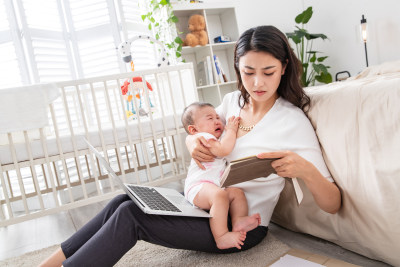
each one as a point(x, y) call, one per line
point(268, 101)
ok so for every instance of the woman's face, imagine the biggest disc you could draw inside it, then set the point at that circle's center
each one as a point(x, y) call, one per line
point(261, 74)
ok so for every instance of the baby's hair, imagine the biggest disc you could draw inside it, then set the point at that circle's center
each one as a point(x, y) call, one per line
point(187, 115)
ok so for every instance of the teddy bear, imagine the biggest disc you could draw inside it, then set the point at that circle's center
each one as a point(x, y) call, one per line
point(197, 35)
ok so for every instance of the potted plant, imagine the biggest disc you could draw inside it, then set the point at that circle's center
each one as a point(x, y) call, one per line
point(161, 19)
point(313, 67)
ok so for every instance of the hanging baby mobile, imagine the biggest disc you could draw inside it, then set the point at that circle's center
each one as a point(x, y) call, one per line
point(136, 87)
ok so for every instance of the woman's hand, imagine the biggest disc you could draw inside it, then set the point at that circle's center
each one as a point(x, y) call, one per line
point(199, 150)
point(289, 164)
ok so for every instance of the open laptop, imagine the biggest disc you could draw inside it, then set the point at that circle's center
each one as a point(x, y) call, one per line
point(153, 200)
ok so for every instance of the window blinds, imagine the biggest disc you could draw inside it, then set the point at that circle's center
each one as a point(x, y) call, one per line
point(57, 40)
point(10, 73)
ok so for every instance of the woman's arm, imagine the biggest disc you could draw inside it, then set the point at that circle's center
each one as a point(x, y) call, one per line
point(326, 194)
point(199, 150)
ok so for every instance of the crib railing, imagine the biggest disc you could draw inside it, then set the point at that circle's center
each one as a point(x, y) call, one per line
point(45, 170)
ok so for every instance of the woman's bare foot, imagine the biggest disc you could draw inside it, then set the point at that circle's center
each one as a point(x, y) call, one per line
point(247, 223)
point(230, 240)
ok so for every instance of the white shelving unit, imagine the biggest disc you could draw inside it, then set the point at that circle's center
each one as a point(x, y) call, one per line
point(220, 20)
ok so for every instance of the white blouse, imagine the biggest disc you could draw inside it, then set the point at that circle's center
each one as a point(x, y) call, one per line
point(283, 127)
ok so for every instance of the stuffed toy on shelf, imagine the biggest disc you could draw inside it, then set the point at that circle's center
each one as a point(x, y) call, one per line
point(197, 28)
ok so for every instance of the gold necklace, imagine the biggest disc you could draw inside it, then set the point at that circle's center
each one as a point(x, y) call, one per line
point(246, 128)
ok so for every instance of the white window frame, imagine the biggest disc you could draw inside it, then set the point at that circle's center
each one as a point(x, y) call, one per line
point(21, 36)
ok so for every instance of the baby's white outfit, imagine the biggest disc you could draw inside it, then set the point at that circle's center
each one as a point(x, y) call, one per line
point(196, 176)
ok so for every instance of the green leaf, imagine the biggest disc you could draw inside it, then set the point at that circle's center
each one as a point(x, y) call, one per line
point(174, 19)
point(157, 24)
point(320, 59)
point(324, 78)
point(289, 34)
point(301, 33)
point(317, 35)
point(296, 39)
point(299, 18)
point(143, 17)
point(307, 15)
point(164, 2)
point(304, 17)
point(178, 54)
point(178, 40)
point(157, 36)
point(313, 58)
point(152, 20)
point(320, 68)
point(149, 26)
point(317, 68)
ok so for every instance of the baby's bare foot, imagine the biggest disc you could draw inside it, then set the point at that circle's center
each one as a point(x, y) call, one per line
point(230, 240)
point(247, 223)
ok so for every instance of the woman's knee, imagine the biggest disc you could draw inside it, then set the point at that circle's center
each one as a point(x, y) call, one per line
point(116, 201)
point(127, 207)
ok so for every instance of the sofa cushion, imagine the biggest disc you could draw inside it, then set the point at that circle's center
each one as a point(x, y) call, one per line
point(358, 126)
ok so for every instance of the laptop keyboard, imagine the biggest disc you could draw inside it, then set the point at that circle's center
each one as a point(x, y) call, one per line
point(153, 199)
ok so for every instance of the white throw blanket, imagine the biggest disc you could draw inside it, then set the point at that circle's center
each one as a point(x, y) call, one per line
point(358, 125)
point(25, 108)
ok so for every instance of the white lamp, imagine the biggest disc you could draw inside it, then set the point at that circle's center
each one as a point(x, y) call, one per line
point(364, 35)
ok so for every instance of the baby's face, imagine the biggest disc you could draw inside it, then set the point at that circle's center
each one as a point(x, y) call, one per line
point(207, 120)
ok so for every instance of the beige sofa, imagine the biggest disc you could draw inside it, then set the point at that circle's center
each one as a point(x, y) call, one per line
point(358, 125)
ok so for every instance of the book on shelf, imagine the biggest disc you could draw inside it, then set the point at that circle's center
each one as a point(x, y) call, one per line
point(201, 73)
point(249, 168)
point(204, 72)
point(209, 70)
point(221, 77)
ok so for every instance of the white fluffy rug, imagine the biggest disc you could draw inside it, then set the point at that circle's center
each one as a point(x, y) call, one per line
point(143, 254)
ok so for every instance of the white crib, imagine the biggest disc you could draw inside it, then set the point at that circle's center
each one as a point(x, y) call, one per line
point(49, 169)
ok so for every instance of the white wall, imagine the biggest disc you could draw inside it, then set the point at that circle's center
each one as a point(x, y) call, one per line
point(340, 21)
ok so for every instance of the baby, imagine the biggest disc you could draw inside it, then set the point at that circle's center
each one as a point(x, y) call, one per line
point(202, 187)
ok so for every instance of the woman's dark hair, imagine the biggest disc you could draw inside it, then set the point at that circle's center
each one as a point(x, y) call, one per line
point(271, 40)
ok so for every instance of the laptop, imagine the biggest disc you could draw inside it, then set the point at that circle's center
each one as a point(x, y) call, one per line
point(153, 200)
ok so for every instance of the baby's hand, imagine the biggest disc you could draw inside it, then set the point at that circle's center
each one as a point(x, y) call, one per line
point(232, 124)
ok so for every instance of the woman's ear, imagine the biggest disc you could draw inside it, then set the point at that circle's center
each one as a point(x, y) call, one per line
point(284, 66)
point(192, 129)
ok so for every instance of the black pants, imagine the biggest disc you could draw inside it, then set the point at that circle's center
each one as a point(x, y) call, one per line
point(117, 228)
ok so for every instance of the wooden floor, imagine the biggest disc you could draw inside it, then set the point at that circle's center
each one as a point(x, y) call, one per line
point(52, 229)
